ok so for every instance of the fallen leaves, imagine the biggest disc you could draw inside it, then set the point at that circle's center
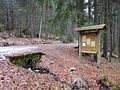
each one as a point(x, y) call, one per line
point(58, 59)
point(12, 76)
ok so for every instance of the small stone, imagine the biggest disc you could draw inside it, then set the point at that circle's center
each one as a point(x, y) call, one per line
point(30, 69)
point(37, 70)
point(24, 84)
point(61, 65)
point(51, 62)
point(72, 69)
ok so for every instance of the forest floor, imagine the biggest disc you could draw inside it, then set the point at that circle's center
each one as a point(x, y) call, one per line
point(62, 60)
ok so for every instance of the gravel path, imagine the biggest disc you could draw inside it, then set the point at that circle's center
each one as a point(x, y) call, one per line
point(16, 49)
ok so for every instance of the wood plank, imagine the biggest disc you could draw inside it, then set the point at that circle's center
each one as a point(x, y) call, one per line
point(89, 52)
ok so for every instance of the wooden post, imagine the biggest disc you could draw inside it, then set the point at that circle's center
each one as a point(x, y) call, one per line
point(80, 41)
point(99, 53)
point(40, 32)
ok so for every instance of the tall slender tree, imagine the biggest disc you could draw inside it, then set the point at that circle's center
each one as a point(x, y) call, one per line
point(119, 32)
point(105, 49)
point(89, 10)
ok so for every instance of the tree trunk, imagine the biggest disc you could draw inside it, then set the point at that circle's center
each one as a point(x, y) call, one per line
point(119, 33)
point(79, 4)
point(89, 10)
point(105, 33)
point(95, 11)
point(79, 7)
point(95, 22)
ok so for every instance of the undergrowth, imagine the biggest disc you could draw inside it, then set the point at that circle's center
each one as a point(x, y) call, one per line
point(115, 85)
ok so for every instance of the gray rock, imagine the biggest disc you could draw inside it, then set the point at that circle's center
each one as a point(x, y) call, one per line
point(77, 84)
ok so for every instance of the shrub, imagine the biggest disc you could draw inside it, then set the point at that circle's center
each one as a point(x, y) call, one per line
point(64, 39)
point(70, 37)
point(1, 25)
point(105, 77)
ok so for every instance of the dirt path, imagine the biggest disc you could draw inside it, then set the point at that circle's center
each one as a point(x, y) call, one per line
point(62, 52)
point(61, 57)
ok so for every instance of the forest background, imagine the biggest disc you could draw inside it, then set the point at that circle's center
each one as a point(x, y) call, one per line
point(22, 18)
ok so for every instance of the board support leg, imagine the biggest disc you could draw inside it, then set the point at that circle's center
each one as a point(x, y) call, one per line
point(99, 53)
point(80, 41)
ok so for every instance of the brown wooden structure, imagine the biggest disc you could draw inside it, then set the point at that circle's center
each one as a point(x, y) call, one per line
point(89, 40)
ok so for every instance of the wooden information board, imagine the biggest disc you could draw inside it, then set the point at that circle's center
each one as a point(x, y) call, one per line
point(89, 43)
point(89, 40)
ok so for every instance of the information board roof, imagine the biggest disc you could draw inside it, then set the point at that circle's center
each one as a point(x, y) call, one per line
point(92, 28)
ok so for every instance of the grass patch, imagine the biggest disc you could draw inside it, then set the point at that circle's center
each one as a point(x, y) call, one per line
point(102, 66)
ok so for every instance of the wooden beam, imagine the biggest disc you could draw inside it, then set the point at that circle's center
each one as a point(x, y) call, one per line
point(89, 52)
point(80, 41)
point(99, 53)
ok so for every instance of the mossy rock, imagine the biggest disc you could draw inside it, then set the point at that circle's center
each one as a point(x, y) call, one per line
point(26, 60)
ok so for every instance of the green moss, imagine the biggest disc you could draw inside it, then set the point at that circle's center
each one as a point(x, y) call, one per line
point(105, 77)
point(26, 60)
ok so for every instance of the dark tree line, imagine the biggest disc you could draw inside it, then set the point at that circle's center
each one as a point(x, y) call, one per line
point(60, 17)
